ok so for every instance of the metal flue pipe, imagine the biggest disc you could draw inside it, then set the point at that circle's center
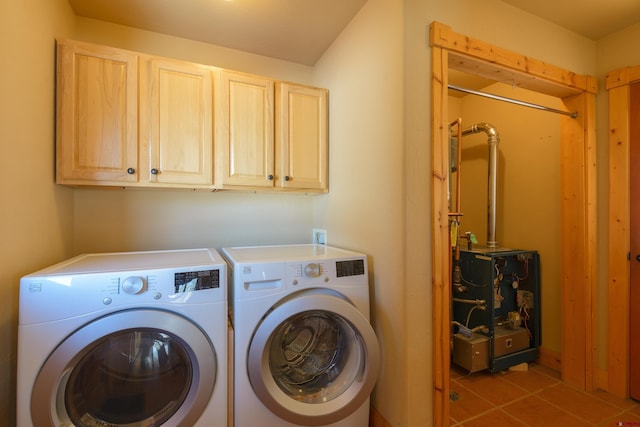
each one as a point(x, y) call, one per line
point(493, 140)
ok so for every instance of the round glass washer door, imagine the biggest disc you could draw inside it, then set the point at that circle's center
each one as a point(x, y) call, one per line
point(131, 368)
point(314, 359)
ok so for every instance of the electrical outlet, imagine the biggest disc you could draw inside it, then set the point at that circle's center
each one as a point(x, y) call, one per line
point(319, 236)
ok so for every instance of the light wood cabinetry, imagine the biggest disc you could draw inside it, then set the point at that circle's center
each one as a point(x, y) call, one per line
point(133, 120)
point(244, 130)
point(301, 137)
point(251, 152)
point(176, 123)
point(97, 115)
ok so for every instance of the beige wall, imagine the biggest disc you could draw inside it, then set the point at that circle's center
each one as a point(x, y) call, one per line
point(528, 201)
point(189, 50)
point(616, 51)
point(36, 217)
point(365, 207)
point(144, 220)
point(613, 52)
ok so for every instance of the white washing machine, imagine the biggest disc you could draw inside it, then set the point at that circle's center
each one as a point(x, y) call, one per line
point(124, 339)
point(305, 352)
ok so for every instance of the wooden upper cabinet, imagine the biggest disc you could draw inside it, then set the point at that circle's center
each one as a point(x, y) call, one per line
point(135, 120)
point(244, 130)
point(301, 137)
point(176, 123)
point(265, 144)
point(97, 114)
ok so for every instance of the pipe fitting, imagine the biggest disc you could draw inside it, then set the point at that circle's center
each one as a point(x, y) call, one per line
point(493, 138)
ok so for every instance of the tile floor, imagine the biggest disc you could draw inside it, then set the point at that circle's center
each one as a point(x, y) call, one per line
point(536, 397)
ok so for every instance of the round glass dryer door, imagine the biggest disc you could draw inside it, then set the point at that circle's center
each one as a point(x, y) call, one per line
point(132, 368)
point(314, 359)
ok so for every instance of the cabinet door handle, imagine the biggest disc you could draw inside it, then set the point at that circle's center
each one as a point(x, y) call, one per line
point(131, 171)
point(270, 177)
point(287, 178)
point(638, 257)
point(154, 171)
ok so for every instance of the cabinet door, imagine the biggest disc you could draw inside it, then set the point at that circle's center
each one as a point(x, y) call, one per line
point(176, 135)
point(301, 137)
point(244, 130)
point(97, 114)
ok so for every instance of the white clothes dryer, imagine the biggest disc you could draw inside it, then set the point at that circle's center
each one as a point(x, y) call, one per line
point(305, 353)
point(124, 339)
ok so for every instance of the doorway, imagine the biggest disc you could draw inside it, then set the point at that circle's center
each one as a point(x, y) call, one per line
point(634, 267)
point(578, 208)
point(623, 88)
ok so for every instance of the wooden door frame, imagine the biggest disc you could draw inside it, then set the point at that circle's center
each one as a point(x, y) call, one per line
point(618, 84)
point(450, 50)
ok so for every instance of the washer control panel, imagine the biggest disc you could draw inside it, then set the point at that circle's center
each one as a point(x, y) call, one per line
point(63, 296)
point(161, 282)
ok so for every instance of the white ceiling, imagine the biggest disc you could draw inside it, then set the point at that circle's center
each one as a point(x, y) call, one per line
point(301, 30)
point(294, 30)
point(593, 19)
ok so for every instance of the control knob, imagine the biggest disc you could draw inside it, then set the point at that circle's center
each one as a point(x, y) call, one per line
point(312, 270)
point(133, 285)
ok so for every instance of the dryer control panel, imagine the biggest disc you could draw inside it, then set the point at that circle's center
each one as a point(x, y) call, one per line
point(323, 272)
point(308, 273)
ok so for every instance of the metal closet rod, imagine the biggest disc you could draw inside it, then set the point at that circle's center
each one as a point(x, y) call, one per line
point(513, 101)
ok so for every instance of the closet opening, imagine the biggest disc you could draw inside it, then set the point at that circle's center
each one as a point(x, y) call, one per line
point(452, 52)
